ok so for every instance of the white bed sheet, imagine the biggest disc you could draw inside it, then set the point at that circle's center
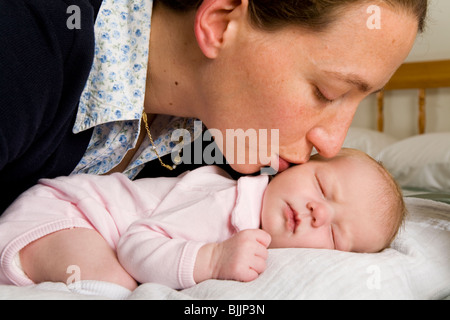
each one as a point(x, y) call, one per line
point(416, 267)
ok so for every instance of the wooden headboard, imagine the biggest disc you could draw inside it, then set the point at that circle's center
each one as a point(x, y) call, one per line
point(420, 76)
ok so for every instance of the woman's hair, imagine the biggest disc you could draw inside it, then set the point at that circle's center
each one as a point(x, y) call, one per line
point(312, 14)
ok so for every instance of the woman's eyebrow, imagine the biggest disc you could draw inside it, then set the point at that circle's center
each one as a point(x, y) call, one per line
point(353, 79)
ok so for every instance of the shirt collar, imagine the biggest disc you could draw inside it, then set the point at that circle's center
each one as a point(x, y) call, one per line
point(115, 89)
point(250, 194)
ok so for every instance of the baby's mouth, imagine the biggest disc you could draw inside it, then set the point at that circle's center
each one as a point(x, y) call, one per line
point(292, 219)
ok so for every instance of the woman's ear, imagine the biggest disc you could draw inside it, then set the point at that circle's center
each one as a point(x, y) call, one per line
point(213, 21)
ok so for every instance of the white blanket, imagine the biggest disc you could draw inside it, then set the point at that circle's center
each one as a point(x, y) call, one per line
point(416, 267)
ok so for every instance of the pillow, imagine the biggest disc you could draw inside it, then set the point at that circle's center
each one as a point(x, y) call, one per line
point(417, 266)
point(369, 141)
point(420, 161)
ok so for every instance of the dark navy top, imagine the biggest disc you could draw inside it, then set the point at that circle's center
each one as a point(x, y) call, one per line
point(44, 65)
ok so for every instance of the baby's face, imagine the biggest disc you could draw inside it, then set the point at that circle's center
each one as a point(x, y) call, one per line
point(325, 204)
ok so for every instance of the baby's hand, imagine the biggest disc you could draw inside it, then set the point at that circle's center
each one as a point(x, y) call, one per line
point(242, 257)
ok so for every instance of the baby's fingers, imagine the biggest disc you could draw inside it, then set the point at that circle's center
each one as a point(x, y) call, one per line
point(263, 237)
point(259, 265)
point(258, 235)
point(255, 268)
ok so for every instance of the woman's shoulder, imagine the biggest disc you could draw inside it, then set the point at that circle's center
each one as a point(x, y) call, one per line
point(44, 29)
point(51, 18)
point(45, 59)
point(42, 60)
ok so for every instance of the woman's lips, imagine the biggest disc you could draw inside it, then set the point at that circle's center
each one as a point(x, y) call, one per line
point(283, 164)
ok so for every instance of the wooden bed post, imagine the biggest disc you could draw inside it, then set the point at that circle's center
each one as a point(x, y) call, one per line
point(422, 111)
point(380, 112)
point(416, 75)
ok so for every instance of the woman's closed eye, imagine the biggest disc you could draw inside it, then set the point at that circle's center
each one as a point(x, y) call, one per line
point(321, 97)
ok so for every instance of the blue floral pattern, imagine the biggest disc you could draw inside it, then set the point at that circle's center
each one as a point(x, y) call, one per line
point(113, 98)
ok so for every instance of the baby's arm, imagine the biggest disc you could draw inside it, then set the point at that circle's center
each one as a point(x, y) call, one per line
point(242, 257)
point(150, 255)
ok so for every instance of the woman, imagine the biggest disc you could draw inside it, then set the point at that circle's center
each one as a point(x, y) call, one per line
point(299, 68)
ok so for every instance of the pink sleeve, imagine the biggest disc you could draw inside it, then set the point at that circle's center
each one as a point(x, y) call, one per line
point(162, 247)
point(149, 255)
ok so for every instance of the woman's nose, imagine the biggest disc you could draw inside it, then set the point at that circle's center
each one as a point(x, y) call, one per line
point(328, 142)
point(328, 136)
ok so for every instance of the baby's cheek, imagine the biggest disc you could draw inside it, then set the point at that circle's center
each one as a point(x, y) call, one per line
point(317, 238)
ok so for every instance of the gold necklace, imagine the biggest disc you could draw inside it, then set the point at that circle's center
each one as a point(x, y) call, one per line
point(177, 159)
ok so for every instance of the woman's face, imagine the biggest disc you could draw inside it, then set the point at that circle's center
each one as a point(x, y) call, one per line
point(306, 85)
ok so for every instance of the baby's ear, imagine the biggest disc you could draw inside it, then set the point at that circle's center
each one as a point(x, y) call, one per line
point(214, 23)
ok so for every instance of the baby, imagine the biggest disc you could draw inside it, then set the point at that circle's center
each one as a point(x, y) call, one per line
point(204, 225)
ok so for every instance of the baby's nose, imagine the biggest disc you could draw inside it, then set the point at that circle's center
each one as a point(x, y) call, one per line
point(320, 214)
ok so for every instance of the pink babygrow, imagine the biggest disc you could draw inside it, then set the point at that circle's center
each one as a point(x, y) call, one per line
point(156, 225)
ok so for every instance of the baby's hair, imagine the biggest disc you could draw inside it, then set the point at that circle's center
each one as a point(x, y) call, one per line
point(394, 211)
point(397, 212)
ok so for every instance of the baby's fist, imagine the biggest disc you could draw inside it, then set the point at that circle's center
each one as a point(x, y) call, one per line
point(243, 256)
